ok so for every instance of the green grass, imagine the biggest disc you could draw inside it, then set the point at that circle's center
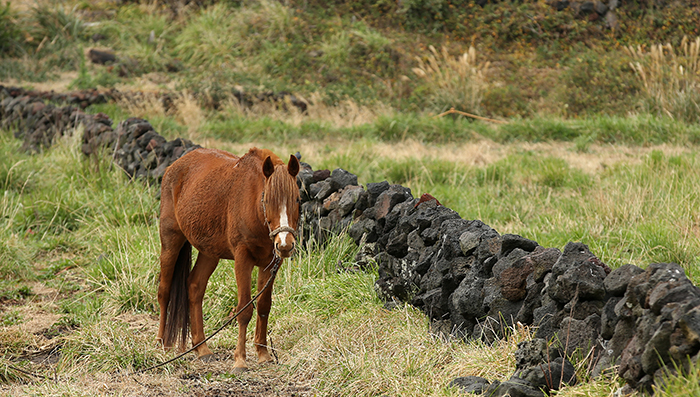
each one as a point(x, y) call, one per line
point(327, 323)
point(395, 127)
point(362, 50)
point(84, 231)
point(639, 212)
point(94, 239)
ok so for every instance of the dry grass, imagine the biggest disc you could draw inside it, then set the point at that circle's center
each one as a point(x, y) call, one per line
point(182, 106)
point(479, 153)
point(344, 114)
point(457, 82)
point(144, 105)
point(671, 79)
point(60, 84)
point(187, 111)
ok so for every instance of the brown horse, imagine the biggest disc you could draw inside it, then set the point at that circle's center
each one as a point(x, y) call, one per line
point(241, 208)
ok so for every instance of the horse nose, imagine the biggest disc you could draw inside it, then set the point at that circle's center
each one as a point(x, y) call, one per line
point(284, 248)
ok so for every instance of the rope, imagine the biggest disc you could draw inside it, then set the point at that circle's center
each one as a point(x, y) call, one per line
point(283, 229)
point(274, 264)
point(29, 373)
point(280, 229)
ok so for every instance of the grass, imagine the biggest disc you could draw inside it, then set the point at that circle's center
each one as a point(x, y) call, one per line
point(94, 240)
point(80, 242)
point(541, 64)
point(670, 79)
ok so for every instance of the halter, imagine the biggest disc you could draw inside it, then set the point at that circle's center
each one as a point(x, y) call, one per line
point(280, 229)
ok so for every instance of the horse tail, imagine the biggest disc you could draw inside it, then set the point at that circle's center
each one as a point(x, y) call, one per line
point(178, 314)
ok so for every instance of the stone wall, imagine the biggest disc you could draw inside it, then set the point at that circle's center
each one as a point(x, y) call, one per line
point(476, 283)
point(471, 281)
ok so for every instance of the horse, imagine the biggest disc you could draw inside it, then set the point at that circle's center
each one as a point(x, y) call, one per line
point(227, 207)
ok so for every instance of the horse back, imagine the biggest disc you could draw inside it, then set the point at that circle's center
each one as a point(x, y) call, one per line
point(211, 197)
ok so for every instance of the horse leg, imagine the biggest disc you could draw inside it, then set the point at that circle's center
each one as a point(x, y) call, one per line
point(171, 244)
point(264, 305)
point(197, 284)
point(243, 268)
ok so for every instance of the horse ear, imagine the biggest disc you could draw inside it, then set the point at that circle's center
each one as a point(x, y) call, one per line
point(268, 167)
point(293, 165)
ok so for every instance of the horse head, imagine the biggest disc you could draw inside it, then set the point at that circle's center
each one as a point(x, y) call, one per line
point(281, 204)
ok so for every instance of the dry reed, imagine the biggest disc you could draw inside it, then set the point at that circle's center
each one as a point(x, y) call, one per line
point(457, 82)
point(670, 78)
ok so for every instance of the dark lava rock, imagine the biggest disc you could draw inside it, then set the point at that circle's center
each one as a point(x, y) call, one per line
point(542, 366)
point(608, 317)
point(509, 261)
point(542, 262)
point(574, 255)
point(363, 228)
point(389, 198)
point(513, 281)
point(101, 57)
point(321, 175)
point(375, 189)
point(531, 353)
point(512, 388)
point(341, 178)
point(616, 282)
point(585, 280)
point(510, 242)
point(579, 334)
point(468, 241)
point(470, 384)
point(559, 371)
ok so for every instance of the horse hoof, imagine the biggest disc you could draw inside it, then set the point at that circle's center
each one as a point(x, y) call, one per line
point(239, 370)
point(207, 358)
point(265, 360)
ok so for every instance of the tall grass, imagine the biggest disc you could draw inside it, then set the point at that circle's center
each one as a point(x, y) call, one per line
point(671, 78)
point(10, 32)
point(328, 327)
point(238, 31)
point(452, 82)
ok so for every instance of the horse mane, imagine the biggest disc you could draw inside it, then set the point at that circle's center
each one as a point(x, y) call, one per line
point(255, 155)
point(280, 183)
point(279, 186)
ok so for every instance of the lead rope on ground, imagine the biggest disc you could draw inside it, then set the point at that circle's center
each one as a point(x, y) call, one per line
point(273, 266)
point(32, 374)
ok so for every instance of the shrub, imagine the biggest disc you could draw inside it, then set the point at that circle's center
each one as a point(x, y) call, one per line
point(591, 76)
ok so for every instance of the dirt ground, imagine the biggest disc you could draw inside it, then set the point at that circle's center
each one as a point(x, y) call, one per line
point(209, 379)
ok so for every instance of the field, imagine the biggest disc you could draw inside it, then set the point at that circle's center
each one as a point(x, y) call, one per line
point(79, 240)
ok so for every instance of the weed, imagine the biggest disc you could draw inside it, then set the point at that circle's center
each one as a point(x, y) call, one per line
point(10, 33)
point(679, 379)
point(670, 80)
point(592, 75)
point(452, 82)
point(11, 318)
point(13, 292)
point(85, 81)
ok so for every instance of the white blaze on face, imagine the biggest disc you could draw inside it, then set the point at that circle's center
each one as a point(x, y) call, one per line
point(284, 221)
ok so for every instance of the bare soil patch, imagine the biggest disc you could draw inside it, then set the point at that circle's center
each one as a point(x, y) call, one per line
point(39, 322)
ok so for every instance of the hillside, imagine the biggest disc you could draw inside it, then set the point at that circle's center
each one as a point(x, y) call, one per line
point(529, 59)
